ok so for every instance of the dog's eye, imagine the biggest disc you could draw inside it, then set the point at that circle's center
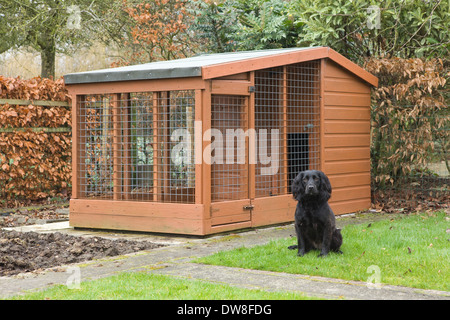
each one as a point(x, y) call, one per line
point(305, 179)
point(316, 178)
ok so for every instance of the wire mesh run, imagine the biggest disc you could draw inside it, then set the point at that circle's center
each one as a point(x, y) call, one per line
point(229, 166)
point(287, 124)
point(137, 146)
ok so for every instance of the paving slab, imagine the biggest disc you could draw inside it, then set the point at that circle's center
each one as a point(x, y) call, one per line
point(314, 286)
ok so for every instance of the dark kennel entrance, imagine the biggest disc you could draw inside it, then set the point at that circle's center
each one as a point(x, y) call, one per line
point(298, 154)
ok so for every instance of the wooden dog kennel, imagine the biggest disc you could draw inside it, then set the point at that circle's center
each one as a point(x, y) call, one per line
point(305, 108)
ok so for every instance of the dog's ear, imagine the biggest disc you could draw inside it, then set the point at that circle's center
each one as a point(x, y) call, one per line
point(298, 190)
point(325, 185)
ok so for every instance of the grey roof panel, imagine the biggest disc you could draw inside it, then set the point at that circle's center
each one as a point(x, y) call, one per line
point(188, 67)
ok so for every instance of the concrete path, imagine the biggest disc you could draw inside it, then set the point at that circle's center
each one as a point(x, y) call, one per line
point(176, 260)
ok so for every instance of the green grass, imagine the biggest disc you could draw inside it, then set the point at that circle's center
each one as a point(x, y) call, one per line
point(411, 251)
point(142, 285)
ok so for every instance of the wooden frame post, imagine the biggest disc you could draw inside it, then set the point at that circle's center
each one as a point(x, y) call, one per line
point(126, 116)
point(252, 144)
point(206, 167)
point(156, 167)
point(116, 145)
point(164, 117)
point(322, 114)
point(198, 147)
point(284, 159)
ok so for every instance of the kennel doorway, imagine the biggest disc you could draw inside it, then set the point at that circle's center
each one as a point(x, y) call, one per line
point(230, 167)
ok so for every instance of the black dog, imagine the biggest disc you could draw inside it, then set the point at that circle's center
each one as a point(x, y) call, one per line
point(315, 223)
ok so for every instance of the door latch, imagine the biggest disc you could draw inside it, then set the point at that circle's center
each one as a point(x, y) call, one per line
point(248, 207)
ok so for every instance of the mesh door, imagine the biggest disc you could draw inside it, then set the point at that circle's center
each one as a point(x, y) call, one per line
point(229, 167)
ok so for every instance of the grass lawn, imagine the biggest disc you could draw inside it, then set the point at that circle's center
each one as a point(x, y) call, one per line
point(411, 251)
point(142, 285)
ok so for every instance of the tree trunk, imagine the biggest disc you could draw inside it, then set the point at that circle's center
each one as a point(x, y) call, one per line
point(48, 58)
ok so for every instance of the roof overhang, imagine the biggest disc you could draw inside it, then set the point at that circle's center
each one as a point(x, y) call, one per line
point(224, 69)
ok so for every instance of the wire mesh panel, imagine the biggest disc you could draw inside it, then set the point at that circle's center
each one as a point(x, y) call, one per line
point(174, 157)
point(303, 117)
point(137, 146)
point(287, 124)
point(95, 153)
point(229, 167)
point(270, 126)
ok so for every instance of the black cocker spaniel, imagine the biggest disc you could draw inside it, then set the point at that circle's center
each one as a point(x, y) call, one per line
point(315, 223)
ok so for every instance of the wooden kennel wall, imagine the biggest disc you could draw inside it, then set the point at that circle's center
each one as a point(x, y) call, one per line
point(315, 102)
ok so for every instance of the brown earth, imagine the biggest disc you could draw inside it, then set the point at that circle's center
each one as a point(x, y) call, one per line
point(31, 251)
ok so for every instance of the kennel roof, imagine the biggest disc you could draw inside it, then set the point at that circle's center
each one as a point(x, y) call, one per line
point(216, 65)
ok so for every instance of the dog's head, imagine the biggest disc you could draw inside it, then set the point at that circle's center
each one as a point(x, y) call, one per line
point(311, 183)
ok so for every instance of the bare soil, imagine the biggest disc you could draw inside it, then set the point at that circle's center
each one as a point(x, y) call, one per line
point(31, 251)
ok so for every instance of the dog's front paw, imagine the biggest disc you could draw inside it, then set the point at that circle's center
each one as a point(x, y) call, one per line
point(322, 255)
point(293, 247)
point(300, 253)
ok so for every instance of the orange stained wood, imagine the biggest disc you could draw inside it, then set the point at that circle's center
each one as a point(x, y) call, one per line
point(198, 152)
point(117, 190)
point(229, 212)
point(229, 68)
point(346, 137)
point(272, 210)
point(190, 83)
point(127, 165)
point(230, 87)
point(346, 206)
point(206, 142)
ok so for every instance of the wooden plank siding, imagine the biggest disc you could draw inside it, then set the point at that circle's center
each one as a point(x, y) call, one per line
point(346, 138)
point(138, 216)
